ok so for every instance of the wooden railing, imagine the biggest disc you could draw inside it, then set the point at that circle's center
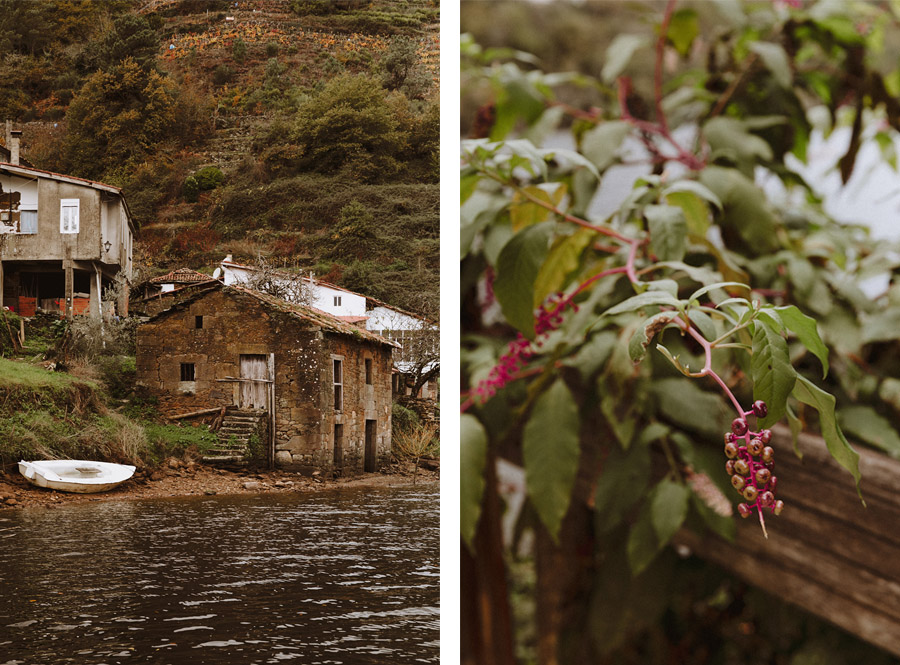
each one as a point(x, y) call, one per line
point(826, 552)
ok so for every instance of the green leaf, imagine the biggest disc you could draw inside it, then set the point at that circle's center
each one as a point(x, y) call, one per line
point(593, 355)
point(712, 287)
point(693, 187)
point(517, 268)
point(643, 544)
point(776, 61)
point(729, 138)
point(683, 29)
point(695, 210)
point(809, 393)
point(467, 185)
point(601, 143)
point(637, 345)
point(618, 54)
point(472, 459)
point(668, 508)
point(523, 212)
point(747, 215)
point(796, 426)
point(704, 324)
point(641, 300)
point(668, 231)
point(806, 330)
point(550, 450)
point(622, 482)
point(563, 259)
point(682, 402)
point(867, 424)
point(771, 371)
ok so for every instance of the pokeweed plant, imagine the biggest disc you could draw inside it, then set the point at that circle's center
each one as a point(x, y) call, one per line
point(632, 329)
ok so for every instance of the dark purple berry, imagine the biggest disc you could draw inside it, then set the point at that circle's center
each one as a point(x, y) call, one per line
point(741, 467)
point(766, 436)
point(773, 483)
point(744, 510)
point(755, 447)
point(768, 454)
point(762, 476)
point(739, 426)
point(731, 450)
point(760, 409)
point(738, 482)
point(729, 467)
point(750, 493)
point(766, 499)
point(779, 506)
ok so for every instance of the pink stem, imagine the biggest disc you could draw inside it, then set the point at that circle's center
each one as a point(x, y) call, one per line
point(707, 367)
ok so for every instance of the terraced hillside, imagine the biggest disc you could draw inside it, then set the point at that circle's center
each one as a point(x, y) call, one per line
point(303, 131)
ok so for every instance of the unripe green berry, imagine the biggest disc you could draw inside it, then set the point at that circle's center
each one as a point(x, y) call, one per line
point(766, 499)
point(744, 510)
point(760, 409)
point(766, 436)
point(739, 426)
point(768, 454)
point(763, 476)
point(729, 437)
point(741, 467)
point(731, 450)
point(779, 506)
point(738, 482)
point(755, 446)
point(750, 493)
point(729, 467)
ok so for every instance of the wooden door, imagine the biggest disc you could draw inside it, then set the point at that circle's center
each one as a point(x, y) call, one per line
point(253, 391)
point(369, 460)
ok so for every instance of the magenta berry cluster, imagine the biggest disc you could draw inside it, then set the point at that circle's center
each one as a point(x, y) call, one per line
point(750, 463)
point(519, 351)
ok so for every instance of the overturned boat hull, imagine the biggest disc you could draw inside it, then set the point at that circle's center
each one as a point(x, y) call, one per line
point(81, 476)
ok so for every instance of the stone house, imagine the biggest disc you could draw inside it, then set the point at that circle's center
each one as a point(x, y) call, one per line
point(323, 384)
point(63, 240)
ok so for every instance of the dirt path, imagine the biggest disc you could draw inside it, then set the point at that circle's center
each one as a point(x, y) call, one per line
point(179, 479)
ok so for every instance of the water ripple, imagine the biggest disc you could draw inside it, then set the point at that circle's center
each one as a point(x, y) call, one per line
point(339, 577)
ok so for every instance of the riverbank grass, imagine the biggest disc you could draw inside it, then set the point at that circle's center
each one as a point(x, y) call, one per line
point(48, 415)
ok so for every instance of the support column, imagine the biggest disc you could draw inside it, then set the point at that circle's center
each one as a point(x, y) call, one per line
point(96, 294)
point(70, 288)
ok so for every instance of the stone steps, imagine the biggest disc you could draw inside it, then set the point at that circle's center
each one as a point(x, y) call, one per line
point(234, 436)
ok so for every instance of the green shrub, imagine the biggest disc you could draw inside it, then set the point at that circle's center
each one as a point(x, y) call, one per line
point(272, 49)
point(118, 374)
point(222, 74)
point(239, 50)
point(402, 419)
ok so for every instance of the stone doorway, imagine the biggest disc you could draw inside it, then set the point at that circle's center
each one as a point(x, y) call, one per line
point(254, 375)
point(369, 464)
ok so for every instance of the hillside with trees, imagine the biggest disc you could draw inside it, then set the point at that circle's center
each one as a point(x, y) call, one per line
point(302, 131)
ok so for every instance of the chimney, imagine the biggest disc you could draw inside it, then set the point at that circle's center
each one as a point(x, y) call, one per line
point(14, 137)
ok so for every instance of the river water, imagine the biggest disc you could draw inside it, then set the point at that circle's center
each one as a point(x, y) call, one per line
point(343, 576)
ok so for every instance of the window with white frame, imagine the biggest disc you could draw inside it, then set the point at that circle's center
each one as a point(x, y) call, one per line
point(68, 215)
point(338, 374)
point(28, 219)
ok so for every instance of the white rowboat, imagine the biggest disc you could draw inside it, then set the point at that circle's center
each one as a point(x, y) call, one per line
point(72, 475)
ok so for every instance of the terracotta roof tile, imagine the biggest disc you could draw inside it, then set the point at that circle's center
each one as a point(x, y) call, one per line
point(181, 276)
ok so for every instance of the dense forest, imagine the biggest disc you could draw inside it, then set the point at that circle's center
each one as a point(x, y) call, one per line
point(302, 131)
